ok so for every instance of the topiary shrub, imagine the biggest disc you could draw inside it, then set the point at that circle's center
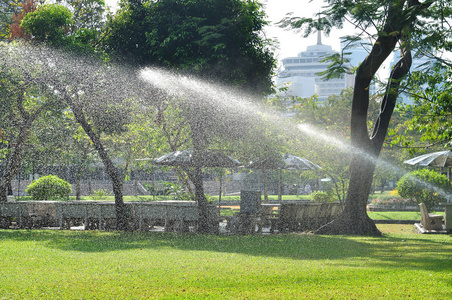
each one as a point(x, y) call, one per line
point(49, 187)
point(424, 186)
point(321, 197)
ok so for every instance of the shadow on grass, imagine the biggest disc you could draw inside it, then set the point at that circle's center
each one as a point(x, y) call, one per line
point(429, 253)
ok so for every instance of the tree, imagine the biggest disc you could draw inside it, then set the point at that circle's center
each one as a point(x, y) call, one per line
point(429, 122)
point(398, 24)
point(85, 85)
point(16, 31)
point(56, 25)
point(219, 39)
point(48, 24)
point(22, 102)
point(8, 9)
point(210, 111)
point(75, 80)
point(87, 14)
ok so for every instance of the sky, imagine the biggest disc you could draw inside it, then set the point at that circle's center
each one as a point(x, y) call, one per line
point(290, 42)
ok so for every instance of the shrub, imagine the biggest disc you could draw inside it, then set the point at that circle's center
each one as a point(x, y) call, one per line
point(321, 197)
point(100, 194)
point(178, 192)
point(425, 186)
point(49, 187)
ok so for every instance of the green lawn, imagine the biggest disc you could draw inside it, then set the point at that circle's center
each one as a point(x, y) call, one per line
point(47, 264)
point(395, 215)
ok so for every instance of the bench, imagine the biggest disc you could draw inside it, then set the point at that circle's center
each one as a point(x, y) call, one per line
point(430, 221)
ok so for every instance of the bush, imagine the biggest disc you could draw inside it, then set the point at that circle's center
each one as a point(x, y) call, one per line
point(49, 187)
point(321, 197)
point(425, 186)
point(178, 192)
point(100, 194)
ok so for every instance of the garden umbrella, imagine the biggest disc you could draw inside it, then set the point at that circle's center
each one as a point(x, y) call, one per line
point(284, 161)
point(210, 159)
point(441, 159)
point(436, 159)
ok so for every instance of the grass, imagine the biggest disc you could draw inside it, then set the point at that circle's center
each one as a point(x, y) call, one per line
point(384, 196)
point(46, 264)
point(395, 215)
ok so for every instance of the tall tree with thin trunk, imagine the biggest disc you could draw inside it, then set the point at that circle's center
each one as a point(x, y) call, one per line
point(21, 103)
point(88, 88)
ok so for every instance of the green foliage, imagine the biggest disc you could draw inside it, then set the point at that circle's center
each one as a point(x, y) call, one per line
point(326, 133)
point(48, 23)
point(87, 14)
point(428, 121)
point(49, 187)
point(111, 119)
point(321, 197)
point(100, 194)
point(218, 39)
point(8, 8)
point(178, 192)
point(75, 28)
point(426, 186)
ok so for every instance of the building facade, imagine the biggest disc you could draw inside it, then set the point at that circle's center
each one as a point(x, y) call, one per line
point(300, 74)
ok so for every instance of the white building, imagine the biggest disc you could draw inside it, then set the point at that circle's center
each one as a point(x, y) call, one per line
point(300, 73)
point(356, 52)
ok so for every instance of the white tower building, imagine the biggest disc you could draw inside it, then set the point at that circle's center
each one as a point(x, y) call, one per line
point(301, 73)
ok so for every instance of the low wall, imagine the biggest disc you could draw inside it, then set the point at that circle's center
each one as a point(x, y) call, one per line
point(307, 216)
point(373, 207)
point(172, 215)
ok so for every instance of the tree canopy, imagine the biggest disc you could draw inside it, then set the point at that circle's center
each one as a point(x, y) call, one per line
point(220, 39)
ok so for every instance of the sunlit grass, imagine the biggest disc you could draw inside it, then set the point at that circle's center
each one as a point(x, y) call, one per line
point(395, 215)
point(45, 264)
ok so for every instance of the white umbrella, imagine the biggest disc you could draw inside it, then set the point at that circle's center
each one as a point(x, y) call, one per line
point(210, 158)
point(440, 159)
point(285, 161)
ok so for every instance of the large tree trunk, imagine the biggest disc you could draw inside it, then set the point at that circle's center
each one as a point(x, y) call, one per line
point(121, 220)
point(354, 218)
point(203, 220)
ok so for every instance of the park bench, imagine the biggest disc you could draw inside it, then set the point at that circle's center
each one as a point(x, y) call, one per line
point(430, 221)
